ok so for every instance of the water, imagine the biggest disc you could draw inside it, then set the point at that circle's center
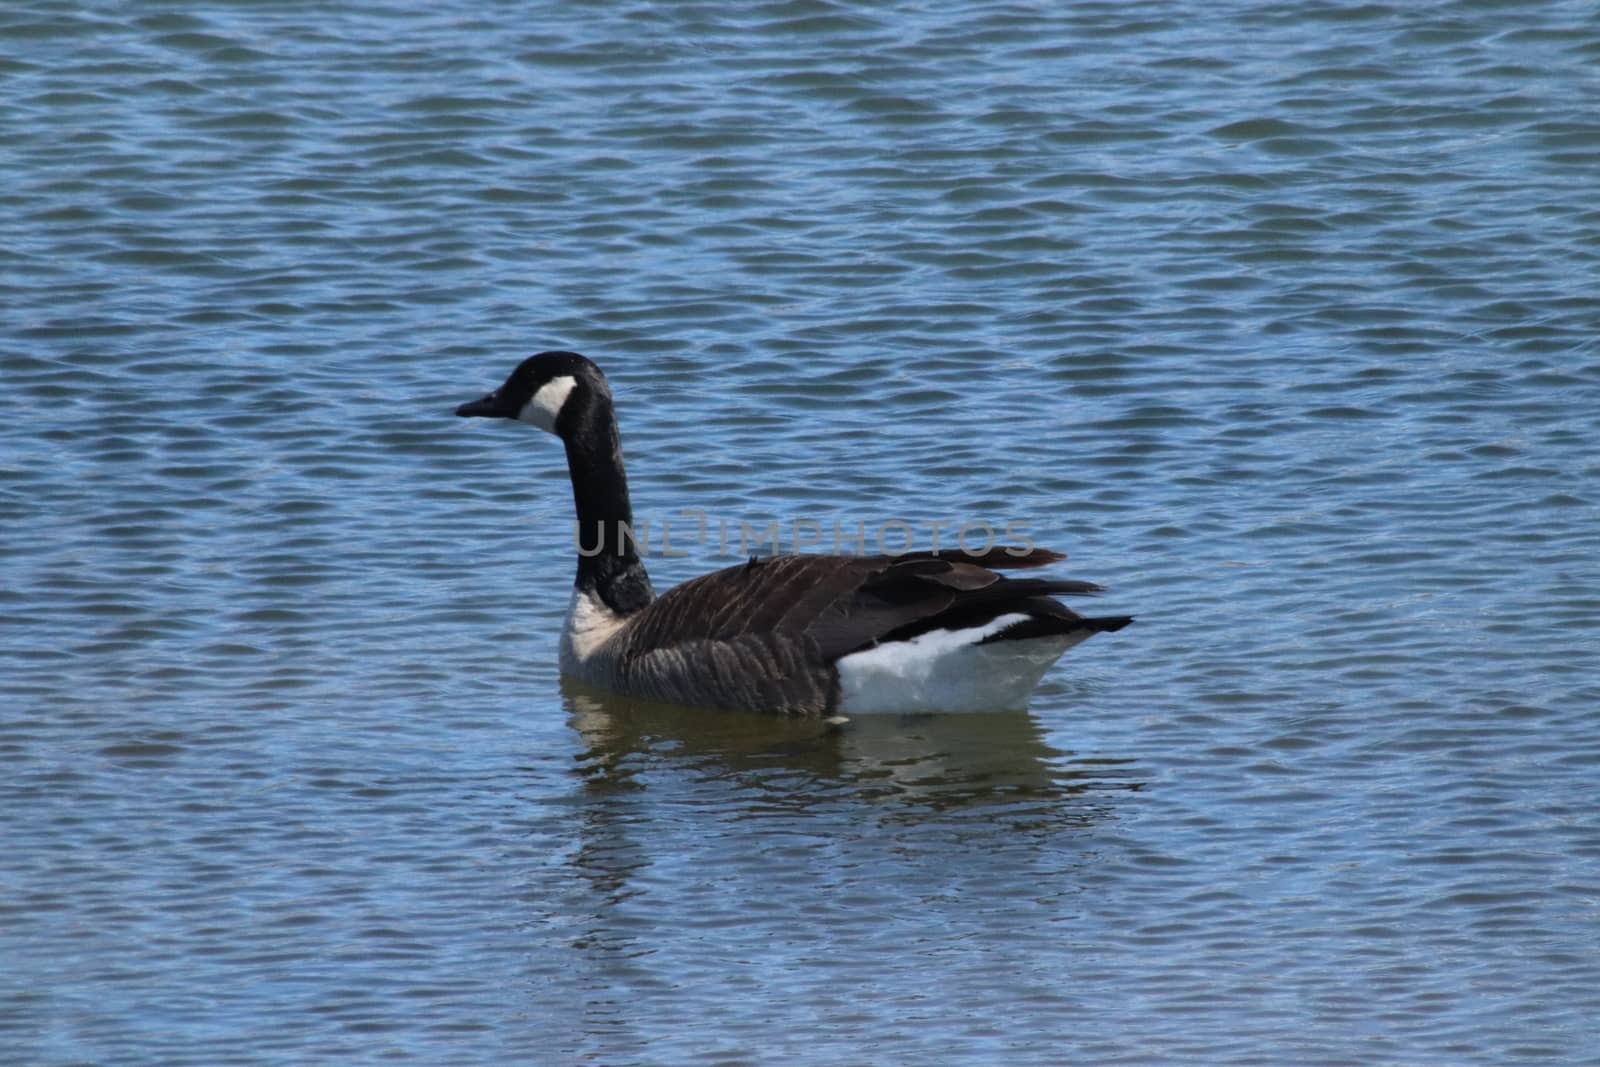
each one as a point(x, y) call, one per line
point(1280, 318)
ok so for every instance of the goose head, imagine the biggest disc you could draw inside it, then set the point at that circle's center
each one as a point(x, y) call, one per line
point(552, 391)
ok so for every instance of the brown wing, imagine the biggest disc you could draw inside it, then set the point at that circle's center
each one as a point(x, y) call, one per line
point(765, 634)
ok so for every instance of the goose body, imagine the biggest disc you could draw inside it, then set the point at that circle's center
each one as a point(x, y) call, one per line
point(800, 634)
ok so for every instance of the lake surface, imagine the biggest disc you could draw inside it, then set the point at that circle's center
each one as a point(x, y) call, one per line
point(1280, 318)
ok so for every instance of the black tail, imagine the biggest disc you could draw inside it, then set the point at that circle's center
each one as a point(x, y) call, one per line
point(1054, 625)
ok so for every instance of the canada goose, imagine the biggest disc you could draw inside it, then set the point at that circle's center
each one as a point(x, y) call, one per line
point(802, 634)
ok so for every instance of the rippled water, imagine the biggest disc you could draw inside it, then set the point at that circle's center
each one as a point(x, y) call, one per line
point(1280, 318)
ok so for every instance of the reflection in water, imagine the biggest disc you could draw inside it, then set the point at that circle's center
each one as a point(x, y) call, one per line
point(687, 819)
point(931, 762)
point(692, 831)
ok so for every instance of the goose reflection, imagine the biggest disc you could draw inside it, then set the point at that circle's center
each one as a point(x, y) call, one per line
point(697, 832)
point(899, 764)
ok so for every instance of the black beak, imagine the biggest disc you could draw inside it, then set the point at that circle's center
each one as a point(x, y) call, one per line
point(488, 407)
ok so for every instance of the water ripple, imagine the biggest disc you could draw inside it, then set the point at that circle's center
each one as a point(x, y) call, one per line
point(1280, 320)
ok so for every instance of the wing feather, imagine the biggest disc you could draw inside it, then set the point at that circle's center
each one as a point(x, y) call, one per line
point(766, 633)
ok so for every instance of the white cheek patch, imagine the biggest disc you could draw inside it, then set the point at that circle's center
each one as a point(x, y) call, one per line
point(544, 407)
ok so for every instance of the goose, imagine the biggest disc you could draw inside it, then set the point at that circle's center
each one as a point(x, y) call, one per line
point(801, 634)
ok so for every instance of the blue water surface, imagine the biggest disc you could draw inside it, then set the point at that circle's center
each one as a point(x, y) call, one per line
point(1280, 318)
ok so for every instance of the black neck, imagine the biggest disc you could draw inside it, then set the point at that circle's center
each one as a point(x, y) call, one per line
point(608, 558)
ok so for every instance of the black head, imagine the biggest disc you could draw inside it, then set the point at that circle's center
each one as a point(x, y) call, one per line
point(541, 390)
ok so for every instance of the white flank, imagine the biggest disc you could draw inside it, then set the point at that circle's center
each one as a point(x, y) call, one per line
point(948, 670)
point(590, 624)
point(544, 407)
